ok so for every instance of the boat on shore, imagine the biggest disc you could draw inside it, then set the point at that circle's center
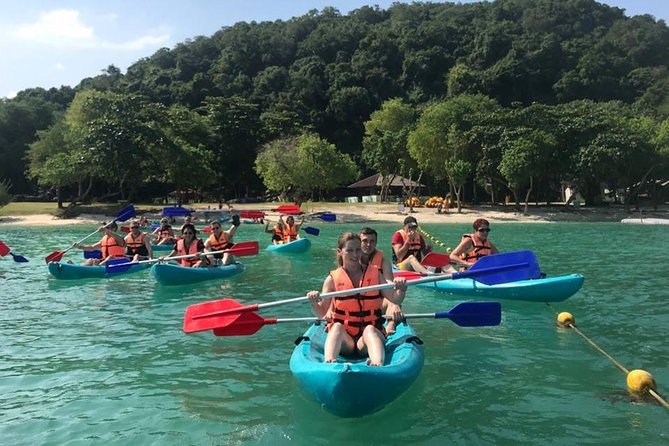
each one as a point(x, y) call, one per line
point(350, 387)
point(69, 271)
point(173, 274)
point(645, 221)
point(299, 245)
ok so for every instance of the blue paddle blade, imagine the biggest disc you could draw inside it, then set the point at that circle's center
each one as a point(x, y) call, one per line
point(126, 213)
point(18, 258)
point(118, 265)
point(328, 217)
point(95, 254)
point(311, 230)
point(502, 268)
point(474, 314)
point(175, 211)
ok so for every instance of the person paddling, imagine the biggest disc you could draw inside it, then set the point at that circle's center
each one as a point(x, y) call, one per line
point(111, 244)
point(220, 240)
point(137, 243)
point(474, 246)
point(189, 244)
point(354, 323)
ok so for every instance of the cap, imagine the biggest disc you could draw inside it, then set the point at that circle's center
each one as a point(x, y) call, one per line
point(411, 221)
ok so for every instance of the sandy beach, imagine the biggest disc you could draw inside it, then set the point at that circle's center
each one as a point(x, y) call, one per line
point(381, 212)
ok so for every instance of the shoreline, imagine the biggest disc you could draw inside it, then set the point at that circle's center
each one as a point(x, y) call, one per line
point(384, 212)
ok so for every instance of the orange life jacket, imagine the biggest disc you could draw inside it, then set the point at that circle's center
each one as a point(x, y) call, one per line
point(218, 245)
point(110, 248)
point(289, 233)
point(357, 311)
point(135, 245)
point(165, 232)
point(376, 261)
point(415, 247)
point(479, 249)
point(194, 248)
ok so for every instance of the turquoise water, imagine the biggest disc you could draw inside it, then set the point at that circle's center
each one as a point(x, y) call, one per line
point(106, 361)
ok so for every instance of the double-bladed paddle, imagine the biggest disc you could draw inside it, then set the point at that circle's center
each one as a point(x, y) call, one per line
point(466, 314)
point(498, 268)
point(240, 249)
point(4, 250)
point(436, 260)
point(123, 215)
point(289, 209)
point(251, 214)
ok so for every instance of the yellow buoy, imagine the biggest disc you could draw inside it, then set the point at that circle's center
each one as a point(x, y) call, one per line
point(639, 381)
point(565, 318)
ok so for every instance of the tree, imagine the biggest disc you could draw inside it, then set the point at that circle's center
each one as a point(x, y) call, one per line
point(5, 196)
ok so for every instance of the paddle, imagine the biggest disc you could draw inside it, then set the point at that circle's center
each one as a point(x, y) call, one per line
point(251, 214)
point(288, 209)
point(436, 260)
point(4, 250)
point(466, 314)
point(240, 249)
point(491, 270)
point(327, 216)
point(311, 230)
point(124, 214)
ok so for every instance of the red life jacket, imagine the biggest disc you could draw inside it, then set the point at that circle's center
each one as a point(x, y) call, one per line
point(415, 247)
point(376, 261)
point(479, 249)
point(289, 233)
point(194, 248)
point(111, 248)
point(357, 311)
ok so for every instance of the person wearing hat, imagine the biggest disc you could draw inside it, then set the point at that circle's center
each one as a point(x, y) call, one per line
point(164, 234)
point(409, 247)
point(111, 244)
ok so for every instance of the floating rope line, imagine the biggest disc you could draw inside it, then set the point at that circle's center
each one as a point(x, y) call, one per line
point(638, 381)
point(435, 240)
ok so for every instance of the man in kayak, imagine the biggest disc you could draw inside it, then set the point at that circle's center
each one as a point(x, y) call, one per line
point(409, 247)
point(220, 240)
point(355, 323)
point(164, 234)
point(111, 244)
point(473, 246)
point(291, 229)
point(137, 243)
point(370, 255)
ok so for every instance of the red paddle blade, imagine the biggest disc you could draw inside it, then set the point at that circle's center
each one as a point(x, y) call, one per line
point(55, 256)
point(207, 230)
point(241, 249)
point(251, 214)
point(245, 324)
point(125, 229)
point(205, 316)
point(408, 275)
point(436, 260)
point(4, 249)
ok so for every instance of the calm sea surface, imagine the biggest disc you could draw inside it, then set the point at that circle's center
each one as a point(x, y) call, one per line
point(105, 361)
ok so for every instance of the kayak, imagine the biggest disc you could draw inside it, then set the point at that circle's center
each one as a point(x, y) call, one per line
point(173, 274)
point(350, 387)
point(299, 245)
point(69, 271)
point(548, 289)
point(166, 247)
point(646, 221)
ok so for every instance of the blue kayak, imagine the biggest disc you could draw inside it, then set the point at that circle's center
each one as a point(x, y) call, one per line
point(547, 289)
point(69, 271)
point(299, 245)
point(350, 387)
point(173, 274)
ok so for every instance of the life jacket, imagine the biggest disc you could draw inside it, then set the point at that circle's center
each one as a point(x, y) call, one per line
point(376, 261)
point(110, 248)
point(194, 248)
point(218, 245)
point(289, 233)
point(415, 247)
point(278, 231)
point(357, 311)
point(479, 249)
point(165, 232)
point(135, 245)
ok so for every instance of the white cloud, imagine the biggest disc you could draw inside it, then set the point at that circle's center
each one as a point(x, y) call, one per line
point(64, 28)
point(58, 67)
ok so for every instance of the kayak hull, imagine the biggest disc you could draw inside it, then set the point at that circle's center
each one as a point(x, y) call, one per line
point(350, 387)
point(172, 274)
point(163, 248)
point(68, 271)
point(549, 289)
point(299, 245)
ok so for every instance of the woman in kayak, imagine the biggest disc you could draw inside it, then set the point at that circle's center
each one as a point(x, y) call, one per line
point(276, 231)
point(189, 244)
point(474, 246)
point(355, 323)
point(291, 229)
point(164, 234)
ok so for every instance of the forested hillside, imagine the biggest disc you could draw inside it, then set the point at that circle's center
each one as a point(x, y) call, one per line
point(512, 97)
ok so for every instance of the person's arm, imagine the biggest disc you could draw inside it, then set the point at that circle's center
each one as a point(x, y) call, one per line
point(267, 229)
point(320, 306)
point(395, 295)
point(493, 249)
point(119, 239)
point(387, 271)
point(147, 245)
point(400, 246)
point(463, 248)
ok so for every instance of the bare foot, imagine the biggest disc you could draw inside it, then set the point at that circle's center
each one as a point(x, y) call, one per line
point(330, 361)
point(373, 364)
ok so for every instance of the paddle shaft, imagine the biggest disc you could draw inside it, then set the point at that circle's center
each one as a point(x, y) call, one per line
point(188, 256)
point(437, 315)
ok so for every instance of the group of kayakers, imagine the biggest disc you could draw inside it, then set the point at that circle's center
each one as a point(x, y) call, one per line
point(284, 231)
point(356, 324)
point(137, 245)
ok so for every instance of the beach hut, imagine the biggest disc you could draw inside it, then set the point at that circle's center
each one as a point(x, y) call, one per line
point(373, 186)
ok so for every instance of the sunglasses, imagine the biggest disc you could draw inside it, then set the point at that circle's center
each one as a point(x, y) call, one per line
point(216, 227)
point(483, 229)
point(134, 227)
point(189, 233)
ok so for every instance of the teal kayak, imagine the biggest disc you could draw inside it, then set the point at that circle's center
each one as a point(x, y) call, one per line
point(350, 387)
point(166, 247)
point(69, 271)
point(299, 245)
point(173, 274)
point(547, 289)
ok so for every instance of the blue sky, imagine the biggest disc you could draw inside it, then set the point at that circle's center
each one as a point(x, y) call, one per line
point(49, 43)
